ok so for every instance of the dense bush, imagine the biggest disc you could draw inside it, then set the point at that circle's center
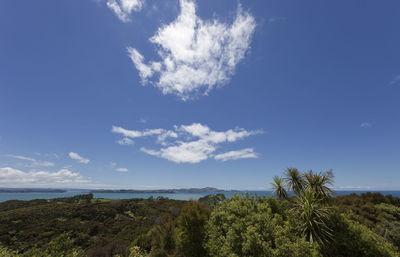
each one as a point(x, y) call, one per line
point(191, 229)
point(353, 239)
point(100, 227)
point(357, 225)
point(245, 226)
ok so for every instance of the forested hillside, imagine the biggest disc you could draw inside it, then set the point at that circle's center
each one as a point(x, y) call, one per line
point(311, 223)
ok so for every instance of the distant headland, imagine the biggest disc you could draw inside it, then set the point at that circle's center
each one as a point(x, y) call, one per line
point(161, 191)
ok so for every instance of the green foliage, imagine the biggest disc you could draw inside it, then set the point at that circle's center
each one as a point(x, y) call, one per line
point(380, 213)
point(136, 251)
point(295, 180)
point(191, 229)
point(245, 226)
point(319, 183)
point(144, 241)
point(164, 238)
point(356, 240)
point(4, 252)
point(312, 195)
point(212, 200)
point(278, 187)
point(314, 216)
point(104, 228)
point(390, 231)
point(389, 208)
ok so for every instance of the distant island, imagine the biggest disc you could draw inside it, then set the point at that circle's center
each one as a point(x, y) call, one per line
point(127, 191)
point(160, 191)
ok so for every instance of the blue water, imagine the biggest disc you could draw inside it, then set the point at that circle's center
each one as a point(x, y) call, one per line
point(176, 196)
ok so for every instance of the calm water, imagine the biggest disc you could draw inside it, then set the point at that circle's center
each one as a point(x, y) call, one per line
point(176, 196)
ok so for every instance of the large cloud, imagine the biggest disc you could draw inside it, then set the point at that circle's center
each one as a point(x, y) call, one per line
point(123, 8)
point(64, 177)
point(196, 55)
point(192, 143)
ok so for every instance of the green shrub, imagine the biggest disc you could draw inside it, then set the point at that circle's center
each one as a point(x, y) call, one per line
point(245, 226)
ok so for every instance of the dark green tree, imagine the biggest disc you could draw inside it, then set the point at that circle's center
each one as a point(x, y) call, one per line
point(164, 238)
point(191, 229)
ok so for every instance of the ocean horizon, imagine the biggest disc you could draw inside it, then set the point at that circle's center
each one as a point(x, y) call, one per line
point(27, 196)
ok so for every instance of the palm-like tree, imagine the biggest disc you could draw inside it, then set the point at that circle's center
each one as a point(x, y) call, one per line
point(319, 183)
point(315, 216)
point(278, 187)
point(294, 180)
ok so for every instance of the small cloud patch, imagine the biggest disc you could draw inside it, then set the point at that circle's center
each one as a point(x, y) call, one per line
point(122, 169)
point(235, 155)
point(77, 157)
point(365, 125)
point(124, 8)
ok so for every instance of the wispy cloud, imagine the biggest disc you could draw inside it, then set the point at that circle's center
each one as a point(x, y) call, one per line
point(196, 55)
point(276, 19)
point(124, 8)
point(77, 157)
point(161, 133)
point(365, 125)
point(395, 80)
point(14, 177)
point(125, 141)
point(32, 162)
point(235, 155)
point(192, 143)
point(122, 169)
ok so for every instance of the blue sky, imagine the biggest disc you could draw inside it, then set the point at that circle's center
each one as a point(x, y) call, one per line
point(167, 94)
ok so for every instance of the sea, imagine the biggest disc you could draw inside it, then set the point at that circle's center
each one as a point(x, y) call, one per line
point(176, 196)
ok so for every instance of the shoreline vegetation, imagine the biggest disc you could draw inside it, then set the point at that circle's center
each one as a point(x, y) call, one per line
point(167, 191)
point(310, 222)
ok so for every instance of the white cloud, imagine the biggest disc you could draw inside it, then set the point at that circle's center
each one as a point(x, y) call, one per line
point(122, 169)
point(234, 155)
point(79, 158)
point(125, 141)
point(32, 161)
point(123, 8)
point(194, 143)
point(365, 125)
point(196, 55)
point(14, 177)
point(162, 138)
point(136, 133)
point(163, 134)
